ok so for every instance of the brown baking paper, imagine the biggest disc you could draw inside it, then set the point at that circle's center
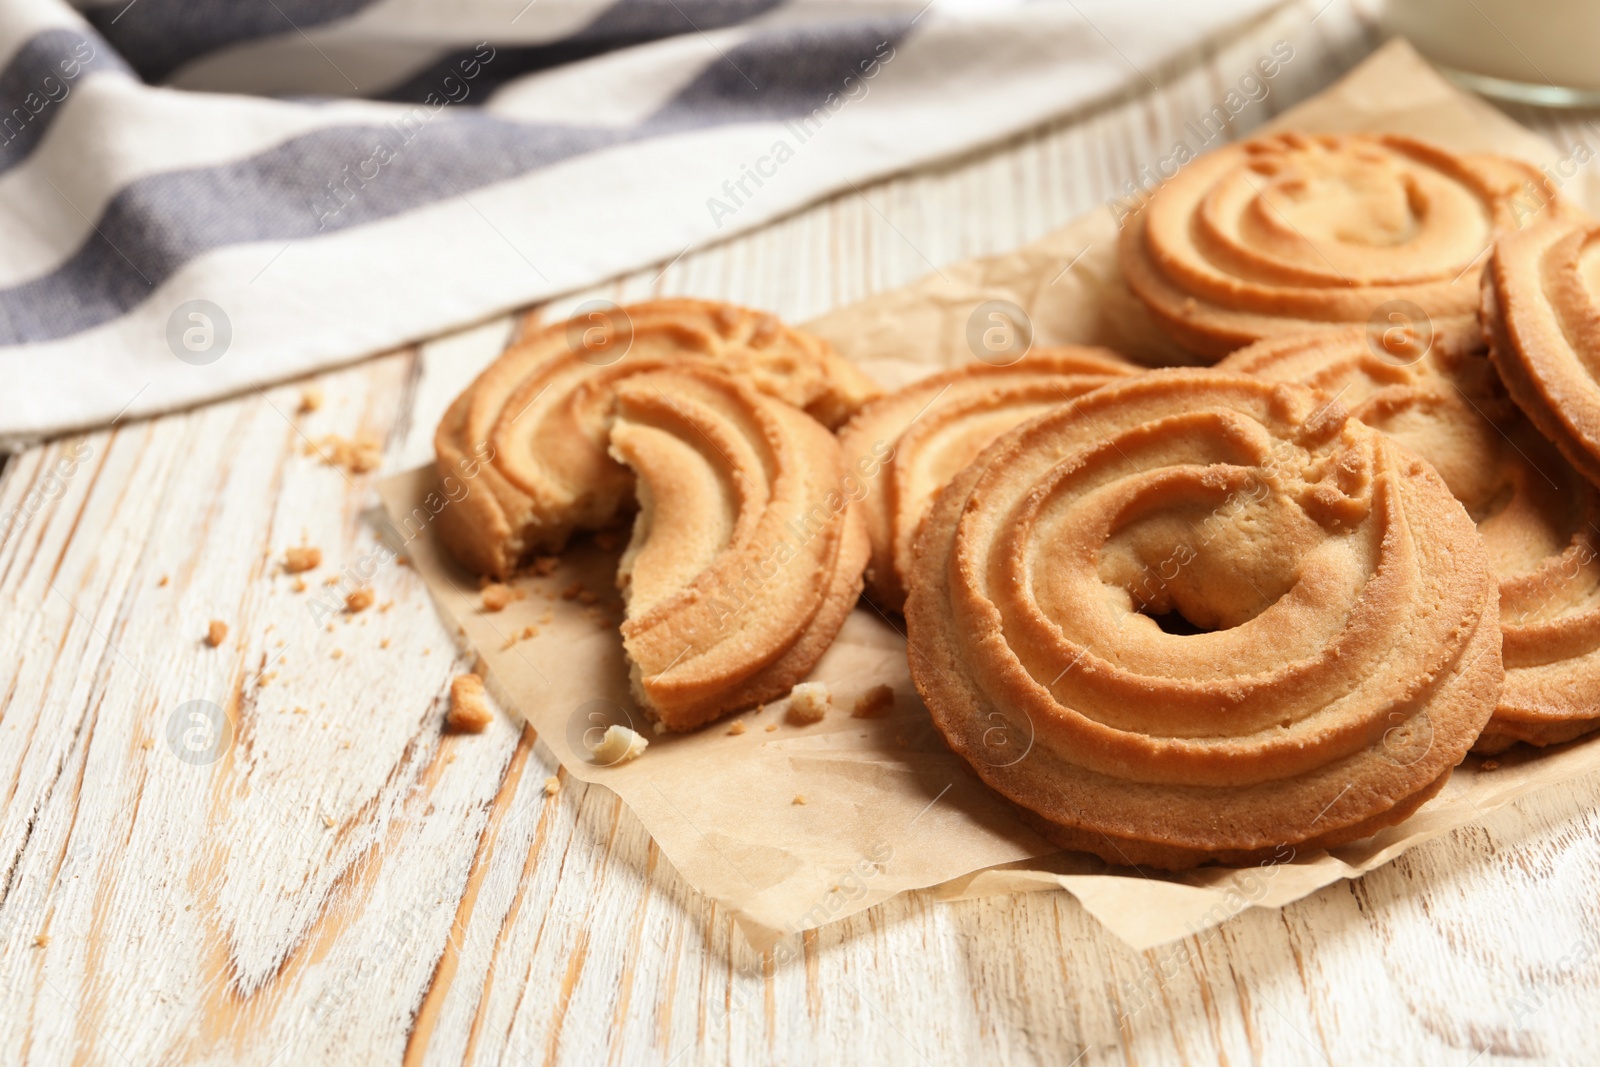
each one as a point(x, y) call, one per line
point(790, 827)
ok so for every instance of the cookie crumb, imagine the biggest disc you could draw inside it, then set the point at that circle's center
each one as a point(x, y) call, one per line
point(357, 455)
point(41, 940)
point(216, 633)
point(809, 702)
point(619, 745)
point(552, 786)
point(299, 585)
point(384, 643)
point(543, 565)
point(799, 798)
point(327, 820)
point(163, 582)
point(1490, 765)
point(359, 600)
point(874, 702)
point(301, 558)
point(402, 561)
point(522, 635)
point(737, 728)
point(310, 400)
point(586, 597)
point(147, 744)
point(571, 592)
point(771, 727)
point(301, 711)
point(337, 653)
point(496, 597)
point(468, 710)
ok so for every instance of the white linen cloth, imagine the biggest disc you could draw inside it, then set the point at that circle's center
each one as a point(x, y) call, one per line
point(198, 197)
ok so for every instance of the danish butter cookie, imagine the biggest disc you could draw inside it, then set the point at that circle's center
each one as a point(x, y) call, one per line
point(1200, 617)
point(1290, 232)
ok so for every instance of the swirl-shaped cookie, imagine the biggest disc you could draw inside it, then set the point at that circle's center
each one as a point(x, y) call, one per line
point(1349, 647)
point(527, 440)
point(908, 444)
point(1291, 232)
point(1541, 316)
point(1540, 521)
point(747, 551)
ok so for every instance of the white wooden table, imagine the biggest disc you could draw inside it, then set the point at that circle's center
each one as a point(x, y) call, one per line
point(348, 884)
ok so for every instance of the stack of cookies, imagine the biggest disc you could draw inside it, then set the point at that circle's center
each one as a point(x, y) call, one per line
point(1177, 616)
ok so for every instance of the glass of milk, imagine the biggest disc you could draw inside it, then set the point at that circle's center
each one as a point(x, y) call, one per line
point(1530, 51)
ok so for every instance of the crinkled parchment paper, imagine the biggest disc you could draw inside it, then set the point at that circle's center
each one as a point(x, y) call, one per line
point(790, 827)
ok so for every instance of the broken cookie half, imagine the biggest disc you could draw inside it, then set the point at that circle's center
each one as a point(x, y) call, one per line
point(747, 554)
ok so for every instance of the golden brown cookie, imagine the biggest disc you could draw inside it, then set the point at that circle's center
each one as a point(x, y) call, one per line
point(1540, 521)
point(1291, 232)
point(1541, 317)
point(903, 447)
point(747, 552)
point(1348, 646)
point(525, 444)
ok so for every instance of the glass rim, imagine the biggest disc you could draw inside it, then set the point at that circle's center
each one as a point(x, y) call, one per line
point(1518, 92)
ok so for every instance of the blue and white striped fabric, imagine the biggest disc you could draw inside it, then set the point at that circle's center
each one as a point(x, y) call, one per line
point(201, 196)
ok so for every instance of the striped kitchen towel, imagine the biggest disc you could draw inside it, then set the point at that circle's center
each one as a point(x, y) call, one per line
point(201, 196)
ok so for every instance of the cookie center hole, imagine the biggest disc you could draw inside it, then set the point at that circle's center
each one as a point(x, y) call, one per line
point(1175, 622)
point(1204, 564)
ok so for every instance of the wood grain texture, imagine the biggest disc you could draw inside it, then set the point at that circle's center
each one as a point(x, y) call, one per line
point(352, 885)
